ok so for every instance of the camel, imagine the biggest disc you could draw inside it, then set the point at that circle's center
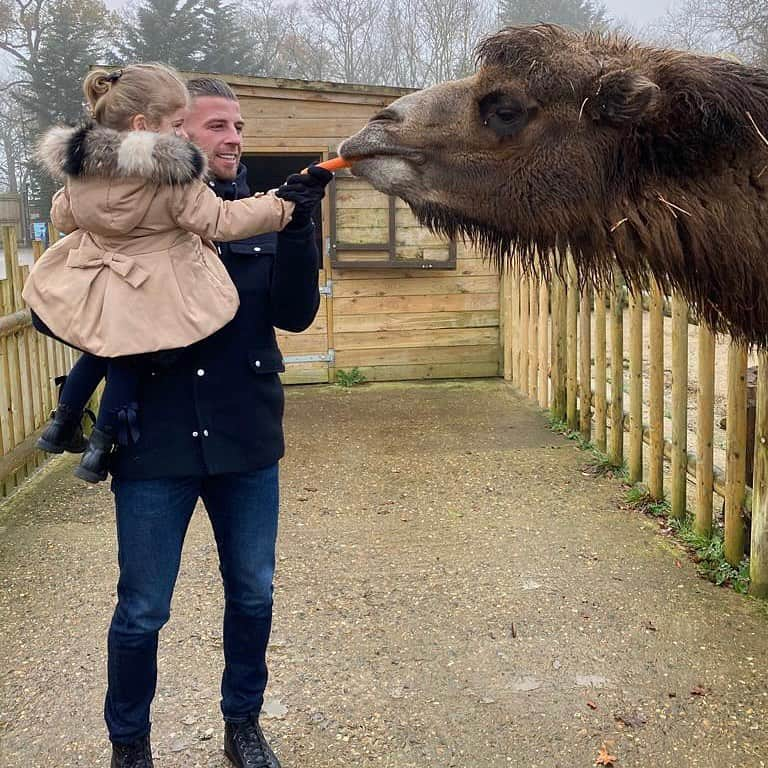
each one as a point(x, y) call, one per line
point(651, 160)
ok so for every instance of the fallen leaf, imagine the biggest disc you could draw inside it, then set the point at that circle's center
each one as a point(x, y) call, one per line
point(603, 758)
point(649, 626)
point(697, 690)
point(678, 564)
point(592, 705)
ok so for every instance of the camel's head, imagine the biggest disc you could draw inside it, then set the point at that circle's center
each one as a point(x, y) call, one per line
point(582, 142)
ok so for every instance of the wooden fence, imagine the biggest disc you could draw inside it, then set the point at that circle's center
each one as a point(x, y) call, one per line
point(29, 363)
point(565, 349)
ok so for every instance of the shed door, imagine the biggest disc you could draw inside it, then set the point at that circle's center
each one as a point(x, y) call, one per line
point(307, 355)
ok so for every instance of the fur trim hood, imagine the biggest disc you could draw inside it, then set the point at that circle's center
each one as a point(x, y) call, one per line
point(94, 151)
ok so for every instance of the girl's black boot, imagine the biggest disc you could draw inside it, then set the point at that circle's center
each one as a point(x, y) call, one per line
point(95, 462)
point(64, 432)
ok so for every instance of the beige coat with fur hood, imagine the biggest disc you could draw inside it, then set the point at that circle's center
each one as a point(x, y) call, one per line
point(138, 272)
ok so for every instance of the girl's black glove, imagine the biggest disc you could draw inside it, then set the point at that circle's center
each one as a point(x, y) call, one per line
point(306, 190)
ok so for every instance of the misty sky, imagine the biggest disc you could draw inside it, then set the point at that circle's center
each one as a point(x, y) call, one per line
point(636, 12)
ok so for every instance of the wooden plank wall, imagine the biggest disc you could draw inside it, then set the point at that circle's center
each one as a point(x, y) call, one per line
point(391, 324)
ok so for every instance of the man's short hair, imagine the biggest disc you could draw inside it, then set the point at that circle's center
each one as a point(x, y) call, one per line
point(210, 86)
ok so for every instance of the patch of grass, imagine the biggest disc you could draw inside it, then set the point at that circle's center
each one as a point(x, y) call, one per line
point(709, 556)
point(598, 464)
point(707, 553)
point(351, 378)
point(638, 497)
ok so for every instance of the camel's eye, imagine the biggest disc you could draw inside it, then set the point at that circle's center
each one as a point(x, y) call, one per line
point(503, 113)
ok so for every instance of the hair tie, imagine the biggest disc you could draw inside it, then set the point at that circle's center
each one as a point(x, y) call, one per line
point(113, 77)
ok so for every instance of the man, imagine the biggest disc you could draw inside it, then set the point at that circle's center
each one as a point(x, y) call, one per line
point(211, 428)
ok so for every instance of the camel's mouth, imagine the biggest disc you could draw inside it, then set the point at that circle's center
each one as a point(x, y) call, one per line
point(383, 153)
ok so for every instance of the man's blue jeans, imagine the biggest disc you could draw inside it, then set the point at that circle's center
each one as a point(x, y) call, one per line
point(152, 520)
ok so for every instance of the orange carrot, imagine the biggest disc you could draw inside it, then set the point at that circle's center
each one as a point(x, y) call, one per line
point(332, 165)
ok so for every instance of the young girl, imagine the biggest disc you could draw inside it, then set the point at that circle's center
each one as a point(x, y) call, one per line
point(137, 272)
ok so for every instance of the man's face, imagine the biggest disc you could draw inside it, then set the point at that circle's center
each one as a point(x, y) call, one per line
point(216, 126)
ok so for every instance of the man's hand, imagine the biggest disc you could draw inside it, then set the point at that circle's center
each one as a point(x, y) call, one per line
point(305, 190)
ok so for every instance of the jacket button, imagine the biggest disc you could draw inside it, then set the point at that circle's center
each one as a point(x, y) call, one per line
point(195, 434)
point(200, 372)
point(256, 249)
point(205, 433)
point(257, 363)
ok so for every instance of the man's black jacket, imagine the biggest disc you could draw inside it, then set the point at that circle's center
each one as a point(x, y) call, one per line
point(217, 405)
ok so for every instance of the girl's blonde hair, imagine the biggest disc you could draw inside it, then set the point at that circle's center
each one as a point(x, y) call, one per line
point(152, 90)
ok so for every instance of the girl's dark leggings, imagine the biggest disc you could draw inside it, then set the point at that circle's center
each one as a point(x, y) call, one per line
point(117, 411)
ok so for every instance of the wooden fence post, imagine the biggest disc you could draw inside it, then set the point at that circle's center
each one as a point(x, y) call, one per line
point(558, 348)
point(506, 316)
point(533, 326)
point(679, 406)
point(705, 424)
point(616, 450)
point(758, 558)
point(636, 388)
point(736, 464)
point(543, 344)
point(572, 309)
point(524, 334)
point(601, 372)
point(656, 409)
point(515, 324)
point(585, 364)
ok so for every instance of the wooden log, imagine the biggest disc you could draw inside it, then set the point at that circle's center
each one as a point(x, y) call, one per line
point(585, 364)
point(524, 335)
point(758, 558)
point(736, 458)
point(616, 448)
point(558, 323)
point(636, 389)
point(572, 315)
point(506, 316)
point(533, 325)
point(543, 344)
point(601, 374)
point(679, 481)
point(20, 456)
point(14, 322)
point(656, 393)
point(25, 382)
point(14, 385)
point(705, 423)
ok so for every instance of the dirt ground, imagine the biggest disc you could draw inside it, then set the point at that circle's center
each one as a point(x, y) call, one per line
point(452, 591)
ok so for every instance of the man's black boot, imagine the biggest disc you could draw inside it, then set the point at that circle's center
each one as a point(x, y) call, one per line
point(135, 755)
point(64, 432)
point(246, 747)
point(93, 466)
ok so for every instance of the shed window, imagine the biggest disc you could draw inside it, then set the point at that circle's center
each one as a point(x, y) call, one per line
point(376, 231)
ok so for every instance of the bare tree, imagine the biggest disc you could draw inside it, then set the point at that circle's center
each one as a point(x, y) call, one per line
point(353, 28)
point(743, 28)
point(686, 25)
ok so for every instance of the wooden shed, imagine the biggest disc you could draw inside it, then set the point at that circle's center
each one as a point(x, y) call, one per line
point(397, 302)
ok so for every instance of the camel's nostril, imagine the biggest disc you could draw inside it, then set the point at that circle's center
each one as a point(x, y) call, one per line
point(389, 114)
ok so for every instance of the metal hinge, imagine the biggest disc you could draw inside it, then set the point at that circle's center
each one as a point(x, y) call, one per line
point(329, 357)
point(327, 289)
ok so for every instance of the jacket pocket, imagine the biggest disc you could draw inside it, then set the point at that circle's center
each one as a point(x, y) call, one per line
point(266, 360)
point(256, 245)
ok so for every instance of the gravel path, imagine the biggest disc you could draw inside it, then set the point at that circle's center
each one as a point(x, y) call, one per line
point(452, 591)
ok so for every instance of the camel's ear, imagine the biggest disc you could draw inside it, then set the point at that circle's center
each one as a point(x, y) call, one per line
point(623, 97)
